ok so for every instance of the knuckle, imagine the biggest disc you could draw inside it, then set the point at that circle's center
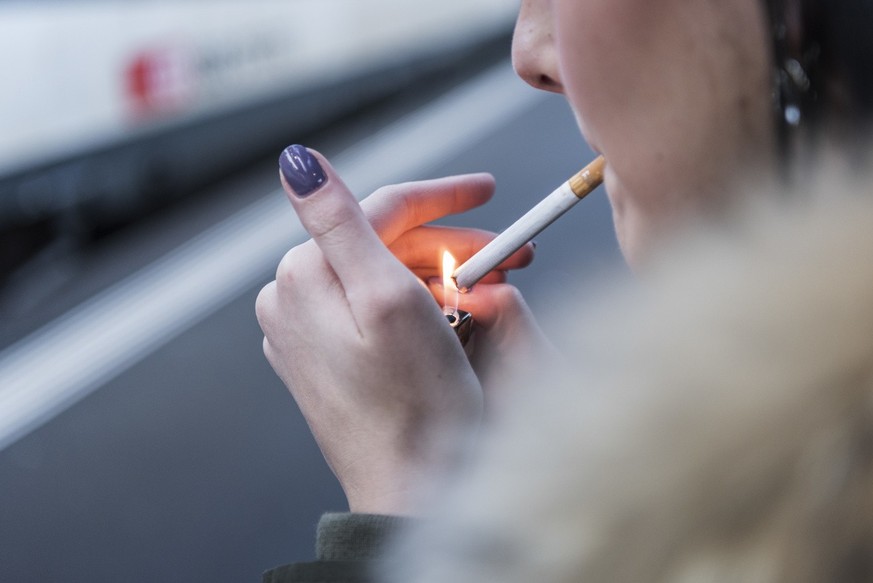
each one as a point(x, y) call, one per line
point(388, 192)
point(333, 224)
point(291, 264)
point(393, 198)
point(508, 295)
point(265, 304)
point(380, 305)
point(268, 350)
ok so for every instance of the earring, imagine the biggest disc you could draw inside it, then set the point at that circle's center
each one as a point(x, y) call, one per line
point(795, 69)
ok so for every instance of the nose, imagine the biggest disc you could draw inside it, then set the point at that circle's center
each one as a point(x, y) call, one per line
point(534, 55)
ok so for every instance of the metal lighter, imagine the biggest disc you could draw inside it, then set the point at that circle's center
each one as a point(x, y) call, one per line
point(462, 323)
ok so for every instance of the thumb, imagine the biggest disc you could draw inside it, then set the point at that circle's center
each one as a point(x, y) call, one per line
point(334, 219)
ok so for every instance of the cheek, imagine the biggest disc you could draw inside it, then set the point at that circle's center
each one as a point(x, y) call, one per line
point(593, 40)
point(675, 94)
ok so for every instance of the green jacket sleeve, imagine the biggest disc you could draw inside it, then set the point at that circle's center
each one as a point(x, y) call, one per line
point(348, 547)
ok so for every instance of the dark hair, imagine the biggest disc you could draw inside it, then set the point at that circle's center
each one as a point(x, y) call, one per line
point(823, 70)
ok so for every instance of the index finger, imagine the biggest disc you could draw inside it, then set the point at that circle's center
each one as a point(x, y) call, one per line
point(393, 210)
point(334, 219)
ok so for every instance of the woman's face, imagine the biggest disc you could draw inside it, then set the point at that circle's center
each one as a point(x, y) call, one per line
point(674, 93)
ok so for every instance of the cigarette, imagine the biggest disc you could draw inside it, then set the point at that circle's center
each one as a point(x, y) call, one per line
point(530, 225)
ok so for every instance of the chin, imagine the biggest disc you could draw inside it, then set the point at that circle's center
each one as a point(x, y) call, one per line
point(620, 217)
point(642, 240)
point(629, 250)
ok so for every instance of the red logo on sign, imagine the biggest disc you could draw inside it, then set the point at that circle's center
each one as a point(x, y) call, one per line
point(159, 81)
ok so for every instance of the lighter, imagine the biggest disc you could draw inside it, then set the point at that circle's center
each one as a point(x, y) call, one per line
point(462, 323)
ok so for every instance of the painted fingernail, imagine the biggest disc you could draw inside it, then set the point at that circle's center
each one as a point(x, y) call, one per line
point(301, 170)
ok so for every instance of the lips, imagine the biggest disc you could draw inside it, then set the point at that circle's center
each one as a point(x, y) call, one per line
point(594, 147)
point(585, 133)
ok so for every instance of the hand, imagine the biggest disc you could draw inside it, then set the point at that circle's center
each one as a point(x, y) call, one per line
point(360, 343)
point(509, 344)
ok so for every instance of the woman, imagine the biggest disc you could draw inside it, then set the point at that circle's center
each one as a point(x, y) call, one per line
point(681, 97)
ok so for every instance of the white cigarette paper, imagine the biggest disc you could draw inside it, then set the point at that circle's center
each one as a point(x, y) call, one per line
point(529, 226)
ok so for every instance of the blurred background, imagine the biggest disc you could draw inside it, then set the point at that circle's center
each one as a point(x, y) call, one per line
point(142, 434)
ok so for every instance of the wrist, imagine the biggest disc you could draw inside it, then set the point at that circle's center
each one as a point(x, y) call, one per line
point(390, 501)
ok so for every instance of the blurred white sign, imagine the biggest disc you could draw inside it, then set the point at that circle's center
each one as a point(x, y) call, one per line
point(77, 75)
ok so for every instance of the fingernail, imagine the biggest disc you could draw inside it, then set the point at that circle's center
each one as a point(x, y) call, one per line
point(301, 170)
point(435, 281)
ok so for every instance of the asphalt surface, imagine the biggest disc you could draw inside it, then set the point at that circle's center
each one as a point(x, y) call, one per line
point(193, 463)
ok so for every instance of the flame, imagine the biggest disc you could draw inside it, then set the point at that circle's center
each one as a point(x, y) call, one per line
point(450, 290)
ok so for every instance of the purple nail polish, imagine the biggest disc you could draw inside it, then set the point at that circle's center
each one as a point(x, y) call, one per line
point(301, 170)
